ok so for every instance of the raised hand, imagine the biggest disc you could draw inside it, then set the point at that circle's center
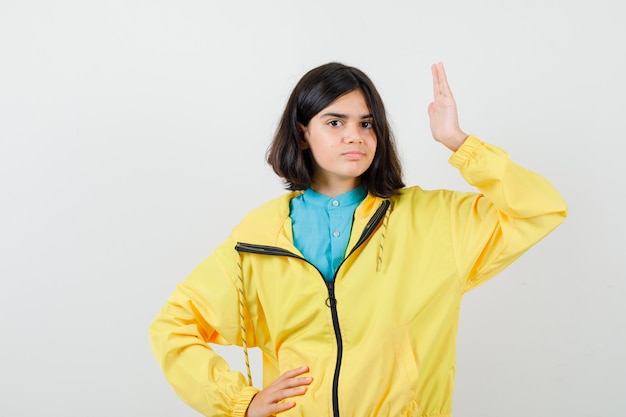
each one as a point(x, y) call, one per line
point(268, 401)
point(444, 119)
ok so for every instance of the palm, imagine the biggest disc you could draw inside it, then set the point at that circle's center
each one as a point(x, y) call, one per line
point(444, 120)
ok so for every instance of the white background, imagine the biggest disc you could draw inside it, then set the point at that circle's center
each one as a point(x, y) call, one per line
point(132, 139)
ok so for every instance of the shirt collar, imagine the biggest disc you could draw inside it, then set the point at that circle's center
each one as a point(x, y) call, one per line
point(352, 197)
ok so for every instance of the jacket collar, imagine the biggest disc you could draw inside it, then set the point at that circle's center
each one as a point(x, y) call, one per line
point(270, 224)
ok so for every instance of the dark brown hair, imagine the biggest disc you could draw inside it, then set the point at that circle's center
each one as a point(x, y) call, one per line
point(316, 90)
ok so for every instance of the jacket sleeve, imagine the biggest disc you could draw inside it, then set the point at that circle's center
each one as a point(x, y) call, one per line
point(515, 209)
point(204, 309)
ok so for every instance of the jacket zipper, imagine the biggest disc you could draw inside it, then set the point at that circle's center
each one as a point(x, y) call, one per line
point(331, 301)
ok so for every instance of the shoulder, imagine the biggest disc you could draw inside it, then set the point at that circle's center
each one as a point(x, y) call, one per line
point(415, 197)
point(265, 221)
point(409, 195)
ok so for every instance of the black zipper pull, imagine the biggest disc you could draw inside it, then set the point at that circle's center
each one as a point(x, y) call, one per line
point(331, 301)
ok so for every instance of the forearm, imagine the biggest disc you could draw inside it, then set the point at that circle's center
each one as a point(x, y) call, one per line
point(514, 210)
point(513, 189)
point(202, 310)
point(200, 377)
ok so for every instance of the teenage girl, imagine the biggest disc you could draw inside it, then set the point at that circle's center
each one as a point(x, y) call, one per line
point(350, 284)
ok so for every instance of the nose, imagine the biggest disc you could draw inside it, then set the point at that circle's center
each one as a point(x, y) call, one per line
point(352, 133)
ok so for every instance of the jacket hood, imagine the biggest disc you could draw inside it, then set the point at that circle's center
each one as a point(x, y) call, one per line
point(263, 225)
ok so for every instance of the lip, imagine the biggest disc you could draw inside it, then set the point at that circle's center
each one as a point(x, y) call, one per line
point(353, 154)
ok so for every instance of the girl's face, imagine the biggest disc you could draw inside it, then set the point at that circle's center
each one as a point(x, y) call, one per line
point(342, 142)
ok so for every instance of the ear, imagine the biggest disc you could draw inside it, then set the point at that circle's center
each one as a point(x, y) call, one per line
point(304, 144)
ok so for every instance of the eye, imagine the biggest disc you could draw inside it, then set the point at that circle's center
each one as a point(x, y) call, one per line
point(334, 123)
point(367, 125)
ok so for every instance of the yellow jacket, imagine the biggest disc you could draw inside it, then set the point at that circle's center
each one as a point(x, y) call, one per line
point(379, 340)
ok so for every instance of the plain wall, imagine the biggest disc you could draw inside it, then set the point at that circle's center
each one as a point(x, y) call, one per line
point(132, 140)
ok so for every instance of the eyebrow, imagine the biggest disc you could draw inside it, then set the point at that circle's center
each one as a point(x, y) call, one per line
point(345, 116)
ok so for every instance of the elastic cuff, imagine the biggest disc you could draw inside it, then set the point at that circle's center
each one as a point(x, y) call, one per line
point(471, 144)
point(243, 401)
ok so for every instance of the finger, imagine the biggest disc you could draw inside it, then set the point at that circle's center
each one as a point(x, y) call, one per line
point(297, 371)
point(286, 386)
point(294, 372)
point(285, 394)
point(433, 69)
point(443, 80)
point(280, 407)
point(288, 389)
point(292, 392)
point(297, 382)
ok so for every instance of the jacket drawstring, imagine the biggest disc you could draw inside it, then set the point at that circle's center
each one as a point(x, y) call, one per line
point(379, 263)
point(242, 322)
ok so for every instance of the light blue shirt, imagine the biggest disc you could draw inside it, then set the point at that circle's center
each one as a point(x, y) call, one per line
point(321, 227)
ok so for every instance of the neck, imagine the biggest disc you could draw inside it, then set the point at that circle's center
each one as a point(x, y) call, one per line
point(334, 189)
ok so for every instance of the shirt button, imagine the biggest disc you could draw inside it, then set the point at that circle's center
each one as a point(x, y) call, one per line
point(335, 203)
point(336, 233)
